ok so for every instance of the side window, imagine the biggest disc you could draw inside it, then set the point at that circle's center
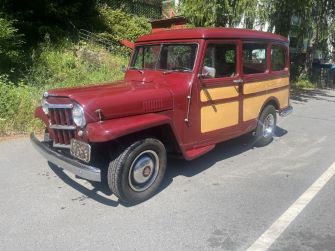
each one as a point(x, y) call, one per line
point(278, 58)
point(220, 61)
point(254, 58)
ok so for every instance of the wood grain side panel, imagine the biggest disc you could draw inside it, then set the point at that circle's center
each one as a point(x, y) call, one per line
point(226, 115)
point(218, 93)
point(255, 87)
point(253, 105)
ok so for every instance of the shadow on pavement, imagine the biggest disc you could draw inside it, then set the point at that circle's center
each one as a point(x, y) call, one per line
point(175, 167)
point(306, 95)
point(102, 187)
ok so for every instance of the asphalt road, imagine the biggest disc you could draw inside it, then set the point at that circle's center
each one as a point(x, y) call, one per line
point(223, 201)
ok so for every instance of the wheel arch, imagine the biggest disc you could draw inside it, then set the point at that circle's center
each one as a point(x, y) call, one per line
point(163, 132)
point(270, 101)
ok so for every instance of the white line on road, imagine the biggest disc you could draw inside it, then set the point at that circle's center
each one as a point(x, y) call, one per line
point(279, 226)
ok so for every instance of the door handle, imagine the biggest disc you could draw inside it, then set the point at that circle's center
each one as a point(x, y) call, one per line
point(238, 81)
point(239, 89)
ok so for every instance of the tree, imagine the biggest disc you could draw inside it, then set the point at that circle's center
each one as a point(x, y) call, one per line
point(223, 13)
point(321, 14)
point(10, 44)
point(38, 17)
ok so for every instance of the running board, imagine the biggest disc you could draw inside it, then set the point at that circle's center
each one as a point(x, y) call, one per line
point(197, 152)
point(286, 111)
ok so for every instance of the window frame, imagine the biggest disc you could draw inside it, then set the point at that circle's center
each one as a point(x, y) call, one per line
point(226, 79)
point(134, 55)
point(267, 53)
point(286, 63)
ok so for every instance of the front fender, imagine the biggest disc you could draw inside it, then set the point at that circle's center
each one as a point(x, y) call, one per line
point(41, 115)
point(112, 129)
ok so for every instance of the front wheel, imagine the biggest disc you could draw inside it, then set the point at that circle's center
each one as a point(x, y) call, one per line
point(135, 174)
point(266, 126)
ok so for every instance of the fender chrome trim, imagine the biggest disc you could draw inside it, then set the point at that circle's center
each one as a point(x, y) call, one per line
point(82, 170)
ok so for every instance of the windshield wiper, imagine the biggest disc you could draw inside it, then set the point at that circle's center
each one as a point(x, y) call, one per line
point(176, 70)
point(137, 69)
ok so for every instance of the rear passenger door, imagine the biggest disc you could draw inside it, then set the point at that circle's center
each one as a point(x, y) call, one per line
point(261, 82)
point(220, 89)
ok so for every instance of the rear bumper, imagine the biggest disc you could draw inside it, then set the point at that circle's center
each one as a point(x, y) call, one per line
point(286, 111)
point(67, 163)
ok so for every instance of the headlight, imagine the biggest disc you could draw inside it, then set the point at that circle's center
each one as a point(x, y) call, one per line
point(78, 115)
point(45, 107)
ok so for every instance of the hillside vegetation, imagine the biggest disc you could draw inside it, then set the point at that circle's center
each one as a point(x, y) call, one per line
point(54, 57)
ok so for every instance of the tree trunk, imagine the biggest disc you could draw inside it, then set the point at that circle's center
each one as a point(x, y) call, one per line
point(309, 61)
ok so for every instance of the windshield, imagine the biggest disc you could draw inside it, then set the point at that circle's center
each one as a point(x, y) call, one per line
point(174, 57)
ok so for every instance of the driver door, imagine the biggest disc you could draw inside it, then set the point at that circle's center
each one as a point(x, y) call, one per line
point(220, 90)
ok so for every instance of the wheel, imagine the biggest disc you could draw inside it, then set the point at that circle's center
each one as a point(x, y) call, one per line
point(135, 174)
point(266, 126)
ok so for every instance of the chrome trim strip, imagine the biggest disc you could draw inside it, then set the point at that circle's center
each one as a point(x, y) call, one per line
point(61, 145)
point(59, 106)
point(286, 111)
point(72, 165)
point(62, 127)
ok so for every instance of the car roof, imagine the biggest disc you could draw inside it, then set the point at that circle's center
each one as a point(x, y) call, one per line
point(211, 33)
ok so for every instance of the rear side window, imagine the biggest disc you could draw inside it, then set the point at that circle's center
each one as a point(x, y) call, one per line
point(278, 58)
point(254, 58)
point(220, 61)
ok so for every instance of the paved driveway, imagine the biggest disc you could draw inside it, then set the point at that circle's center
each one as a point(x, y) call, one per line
point(225, 200)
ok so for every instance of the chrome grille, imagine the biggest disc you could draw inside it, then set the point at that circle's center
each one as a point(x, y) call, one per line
point(62, 125)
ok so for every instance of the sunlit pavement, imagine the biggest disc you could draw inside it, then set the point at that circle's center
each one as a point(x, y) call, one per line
point(225, 200)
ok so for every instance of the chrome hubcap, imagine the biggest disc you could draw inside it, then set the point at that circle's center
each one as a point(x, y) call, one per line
point(268, 126)
point(143, 170)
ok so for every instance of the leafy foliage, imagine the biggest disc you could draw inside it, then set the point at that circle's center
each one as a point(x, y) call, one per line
point(58, 18)
point(10, 45)
point(120, 25)
point(303, 83)
point(217, 12)
point(17, 107)
point(69, 65)
point(53, 67)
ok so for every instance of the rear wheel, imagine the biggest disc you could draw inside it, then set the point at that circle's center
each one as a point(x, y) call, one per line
point(266, 126)
point(135, 174)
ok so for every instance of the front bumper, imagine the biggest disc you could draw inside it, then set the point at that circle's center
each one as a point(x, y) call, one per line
point(67, 163)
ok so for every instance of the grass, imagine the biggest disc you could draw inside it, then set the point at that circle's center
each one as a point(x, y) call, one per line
point(53, 67)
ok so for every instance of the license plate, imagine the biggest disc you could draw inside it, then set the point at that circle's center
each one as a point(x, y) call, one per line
point(80, 150)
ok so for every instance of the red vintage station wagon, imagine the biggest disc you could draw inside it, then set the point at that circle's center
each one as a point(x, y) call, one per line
point(184, 91)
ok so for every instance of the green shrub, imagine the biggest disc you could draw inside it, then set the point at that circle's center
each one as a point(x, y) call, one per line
point(53, 67)
point(17, 105)
point(303, 83)
point(10, 45)
point(120, 25)
point(72, 65)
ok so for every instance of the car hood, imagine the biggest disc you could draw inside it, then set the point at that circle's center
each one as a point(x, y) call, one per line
point(118, 99)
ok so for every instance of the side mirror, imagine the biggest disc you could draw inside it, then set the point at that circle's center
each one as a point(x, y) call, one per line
point(207, 72)
point(203, 75)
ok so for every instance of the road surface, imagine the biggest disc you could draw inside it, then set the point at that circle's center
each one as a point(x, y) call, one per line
point(233, 198)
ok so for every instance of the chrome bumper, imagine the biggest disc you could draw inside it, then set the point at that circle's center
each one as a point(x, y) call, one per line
point(67, 163)
point(286, 111)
